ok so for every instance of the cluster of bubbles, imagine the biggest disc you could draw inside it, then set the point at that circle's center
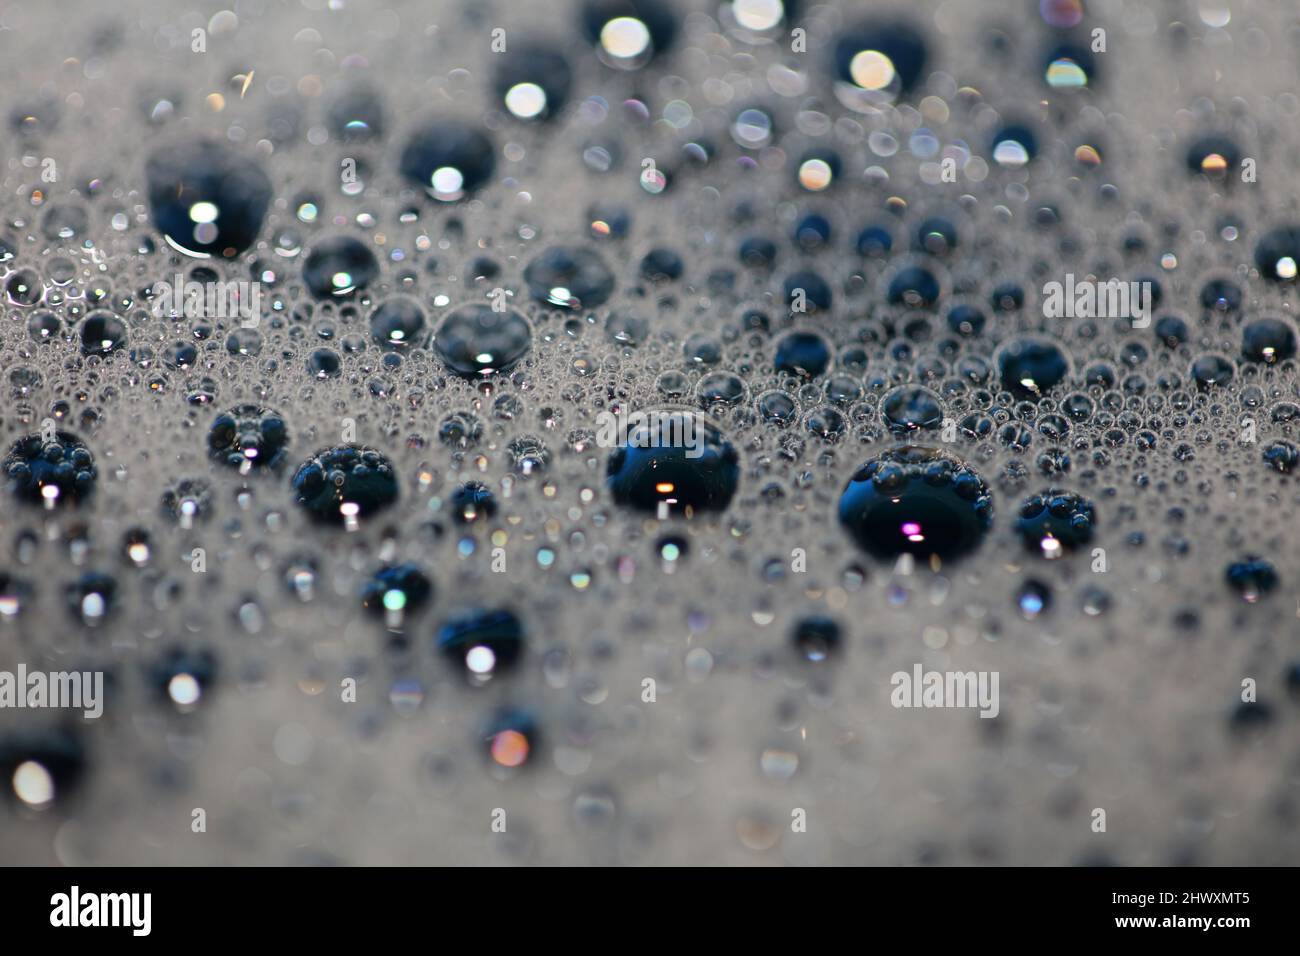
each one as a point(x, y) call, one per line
point(771, 254)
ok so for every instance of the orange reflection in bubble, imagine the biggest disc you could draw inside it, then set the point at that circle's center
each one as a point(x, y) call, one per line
point(509, 748)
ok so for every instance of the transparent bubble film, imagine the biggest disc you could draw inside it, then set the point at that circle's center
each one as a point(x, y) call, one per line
point(630, 432)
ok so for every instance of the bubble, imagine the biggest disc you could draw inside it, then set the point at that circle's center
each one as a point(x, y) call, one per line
point(826, 422)
point(1054, 523)
point(1277, 253)
point(187, 501)
point(662, 265)
point(532, 80)
point(966, 320)
point(627, 328)
point(339, 266)
point(910, 408)
point(33, 785)
point(483, 642)
point(44, 327)
point(54, 473)
point(511, 738)
point(875, 242)
point(34, 116)
point(248, 437)
point(880, 57)
point(1212, 370)
point(872, 70)
point(609, 220)
point(1215, 156)
point(324, 363)
point(1268, 341)
point(936, 236)
point(803, 354)
point(1293, 680)
point(1221, 295)
point(1171, 331)
point(1033, 598)
point(475, 341)
point(1032, 366)
point(914, 287)
point(625, 39)
point(244, 343)
point(136, 547)
point(15, 594)
point(206, 199)
point(816, 173)
point(1282, 456)
point(528, 455)
point(340, 484)
point(397, 590)
point(1069, 67)
point(1250, 717)
point(916, 500)
point(182, 676)
point(717, 389)
point(752, 128)
point(1252, 578)
point(628, 34)
point(674, 463)
point(397, 322)
point(356, 114)
point(102, 334)
point(814, 290)
point(472, 502)
point(1014, 147)
point(816, 638)
point(23, 287)
point(1087, 155)
point(41, 767)
point(570, 277)
point(1061, 13)
point(92, 597)
point(777, 407)
point(448, 159)
point(702, 349)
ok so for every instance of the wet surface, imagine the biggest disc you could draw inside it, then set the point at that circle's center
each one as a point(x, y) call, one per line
point(340, 521)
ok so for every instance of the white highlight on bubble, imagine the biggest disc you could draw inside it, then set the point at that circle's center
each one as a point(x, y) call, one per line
point(872, 70)
point(525, 100)
point(625, 38)
point(204, 212)
point(447, 181)
point(758, 15)
point(33, 784)
point(480, 660)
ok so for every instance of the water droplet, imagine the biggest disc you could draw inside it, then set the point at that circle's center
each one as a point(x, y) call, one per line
point(1054, 523)
point(916, 500)
point(397, 322)
point(570, 277)
point(248, 437)
point(1252, 578)
point(60, 472)
point(476, 341)
point(396, 591)
point(911, 408)
point(1032, 366)
point(338, 266)
point(816, 638)
point(448, 159)
point(207, 199)
point(341, 484)
point(674, 463)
